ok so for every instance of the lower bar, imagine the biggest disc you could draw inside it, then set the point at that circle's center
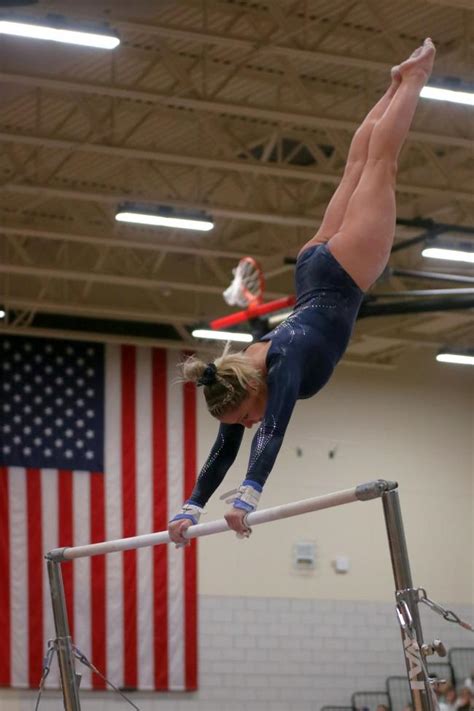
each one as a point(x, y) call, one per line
point(363, 492)
point(422, 693)
point(69, 679)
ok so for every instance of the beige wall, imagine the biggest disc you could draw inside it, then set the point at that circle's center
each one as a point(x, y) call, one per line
point(413, 425)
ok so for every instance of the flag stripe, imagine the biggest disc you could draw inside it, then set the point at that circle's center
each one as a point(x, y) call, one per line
point(35, 576)
point(113, 503)
point(81, 567)
point(175, 556)
point(190, 560)
point(97, 578)
point(129, 514)
point(66, 538)
point(144, 522)
point(49, 523)
point(19, 581)
point(160, 518)
point(5, 659)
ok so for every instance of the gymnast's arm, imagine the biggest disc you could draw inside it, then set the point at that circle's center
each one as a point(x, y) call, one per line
point(283, 382)
point(218, 463)
point(221, 458)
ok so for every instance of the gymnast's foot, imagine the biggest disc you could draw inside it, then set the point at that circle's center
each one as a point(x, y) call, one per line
point(419, 62)
point(396, 80)
point(396, 75)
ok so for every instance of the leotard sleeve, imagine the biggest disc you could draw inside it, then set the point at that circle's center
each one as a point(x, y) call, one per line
point(283, 382)
point(219, 461)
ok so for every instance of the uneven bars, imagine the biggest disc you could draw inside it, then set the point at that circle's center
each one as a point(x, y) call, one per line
point(362, 492)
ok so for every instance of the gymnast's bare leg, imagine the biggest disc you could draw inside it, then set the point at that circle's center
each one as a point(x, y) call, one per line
point(359, 223)
point(356, 159)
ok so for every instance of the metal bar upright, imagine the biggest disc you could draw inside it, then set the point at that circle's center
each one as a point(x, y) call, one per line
point(423, 698)
point(69, 678)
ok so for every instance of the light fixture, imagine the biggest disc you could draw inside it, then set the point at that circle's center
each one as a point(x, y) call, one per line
point(165, 217)
point(457, 358)
point(222, 335)
point(456, 97)
point(56, 32)
point(455, 255)
point(2, 313)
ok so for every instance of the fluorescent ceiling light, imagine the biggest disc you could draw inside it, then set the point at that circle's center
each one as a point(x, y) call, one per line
point(457, 358)
point(222, 335)
point(184, 223)
point(58, 34)
point(456, 255)
point(456, 97)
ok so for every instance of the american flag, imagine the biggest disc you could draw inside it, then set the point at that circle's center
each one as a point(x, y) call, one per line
point(96, 442)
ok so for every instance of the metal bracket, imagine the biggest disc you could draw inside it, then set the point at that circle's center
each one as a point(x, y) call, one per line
point(374, 489)
point(56, 555)
point(404, 615)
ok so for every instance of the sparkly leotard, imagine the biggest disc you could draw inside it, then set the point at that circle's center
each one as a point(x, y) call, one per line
point(304, 350)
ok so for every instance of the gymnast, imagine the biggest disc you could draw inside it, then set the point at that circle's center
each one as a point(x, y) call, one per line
point(333, 270)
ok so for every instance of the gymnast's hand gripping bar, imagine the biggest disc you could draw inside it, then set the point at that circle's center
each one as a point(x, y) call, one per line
point(362, 492)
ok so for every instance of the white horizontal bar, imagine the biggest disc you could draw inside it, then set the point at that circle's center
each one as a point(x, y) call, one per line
point(347, 496)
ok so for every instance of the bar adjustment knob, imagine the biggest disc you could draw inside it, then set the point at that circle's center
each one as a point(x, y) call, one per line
point(436, 647)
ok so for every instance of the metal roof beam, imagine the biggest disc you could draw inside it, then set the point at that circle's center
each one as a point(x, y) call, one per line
point(242, 44)
point(270, 217)
point(460, 4)
point(115, 279)
point(116, 198)
point(93, 311)
point(120, 243)
point(21, 330)
point(256, 112)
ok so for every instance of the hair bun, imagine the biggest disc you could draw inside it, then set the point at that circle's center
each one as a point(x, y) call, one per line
point(209, 375)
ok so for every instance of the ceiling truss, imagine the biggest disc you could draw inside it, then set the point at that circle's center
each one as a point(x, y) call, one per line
point(242, 110)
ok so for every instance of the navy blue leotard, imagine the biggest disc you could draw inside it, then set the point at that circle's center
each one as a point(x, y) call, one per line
point(304, 350)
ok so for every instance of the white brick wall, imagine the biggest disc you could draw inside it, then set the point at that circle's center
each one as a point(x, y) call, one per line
point(259, 654)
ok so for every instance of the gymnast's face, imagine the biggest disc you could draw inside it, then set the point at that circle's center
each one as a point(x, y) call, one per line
point(250, 411)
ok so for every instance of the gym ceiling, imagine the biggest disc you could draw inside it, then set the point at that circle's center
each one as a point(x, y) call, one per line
point(244, 111)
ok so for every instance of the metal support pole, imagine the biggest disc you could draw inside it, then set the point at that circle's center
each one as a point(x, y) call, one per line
point(422, 693)
point(69, 678)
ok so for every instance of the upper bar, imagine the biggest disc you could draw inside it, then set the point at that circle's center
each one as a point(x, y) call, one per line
point(362, 492)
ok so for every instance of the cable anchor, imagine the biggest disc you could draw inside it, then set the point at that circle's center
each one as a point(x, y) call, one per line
point(446, 614)
point(52, 649)
point(84, 660)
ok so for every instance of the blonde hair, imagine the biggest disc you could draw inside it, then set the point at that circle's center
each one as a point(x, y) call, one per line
point(225, 381)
